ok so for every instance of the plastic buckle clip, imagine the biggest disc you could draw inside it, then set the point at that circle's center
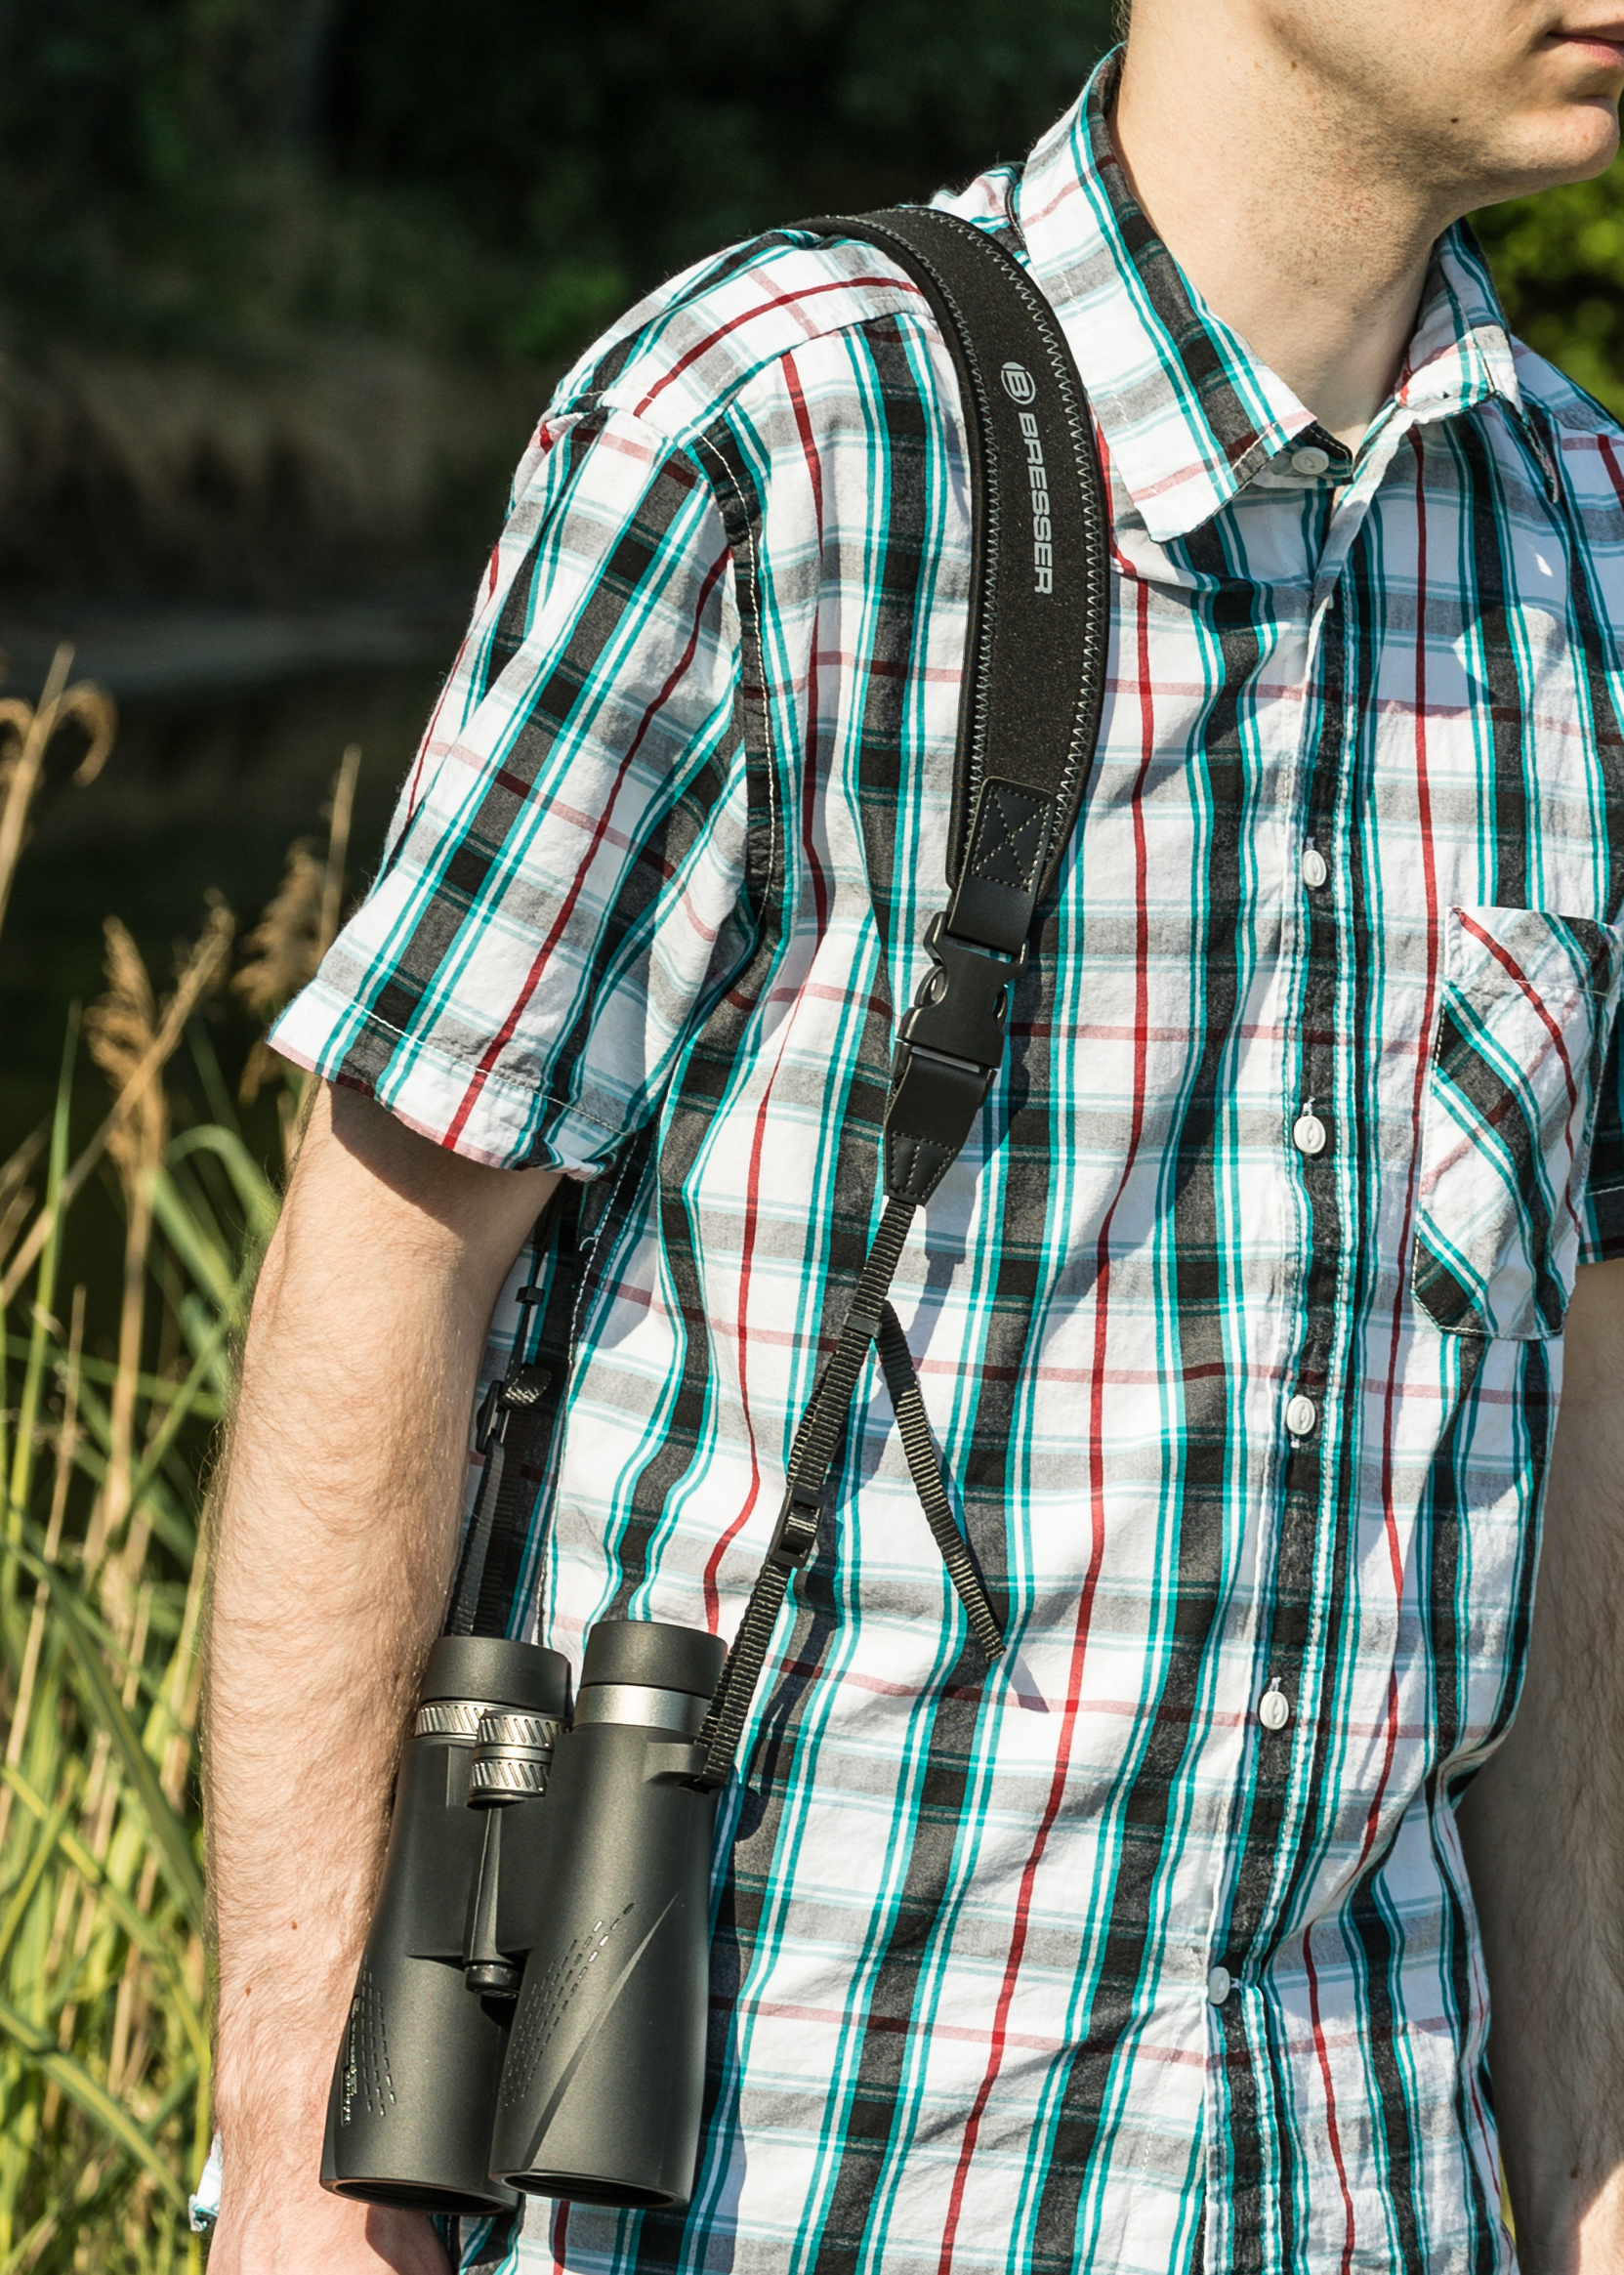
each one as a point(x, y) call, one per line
point(962, 1008)
point(797, 1532)
point(491, 1420)
point(502, 1396)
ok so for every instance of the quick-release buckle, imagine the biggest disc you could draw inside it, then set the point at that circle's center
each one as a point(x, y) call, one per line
point(949, 1048)
point(962, 1008)
point(796, 1536)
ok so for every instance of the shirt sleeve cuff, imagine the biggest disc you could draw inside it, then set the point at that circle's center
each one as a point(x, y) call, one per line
point(492, 1120)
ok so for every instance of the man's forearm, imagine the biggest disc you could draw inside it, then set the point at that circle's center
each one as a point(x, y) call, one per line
point(1544, 1832)
point(333, 1552)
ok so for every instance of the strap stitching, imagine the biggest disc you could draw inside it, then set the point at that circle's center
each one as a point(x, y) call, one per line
point(994, 808)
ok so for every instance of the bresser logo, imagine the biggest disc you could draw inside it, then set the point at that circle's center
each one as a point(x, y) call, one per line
point(1019, 384)
point(1037, 475)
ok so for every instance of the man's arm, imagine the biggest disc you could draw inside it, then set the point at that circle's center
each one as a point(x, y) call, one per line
point(336, 1537)
point(1544, 1833)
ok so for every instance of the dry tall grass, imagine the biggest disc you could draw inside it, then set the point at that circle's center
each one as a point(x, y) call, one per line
point(106, 1421)
point(26, 732)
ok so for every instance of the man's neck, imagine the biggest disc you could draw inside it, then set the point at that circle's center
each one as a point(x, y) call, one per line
point(1285, 217)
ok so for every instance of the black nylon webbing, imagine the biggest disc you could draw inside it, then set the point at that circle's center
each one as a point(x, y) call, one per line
point(519, 1417)
point(870, 1322)
point(812, 1456)
point(930, 1482)
point(822, 1426)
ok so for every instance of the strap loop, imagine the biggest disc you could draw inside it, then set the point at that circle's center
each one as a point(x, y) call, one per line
point(930, 1482)
point(818, 1441)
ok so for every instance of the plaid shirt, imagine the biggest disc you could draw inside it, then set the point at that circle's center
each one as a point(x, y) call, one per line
point(1240, 1321)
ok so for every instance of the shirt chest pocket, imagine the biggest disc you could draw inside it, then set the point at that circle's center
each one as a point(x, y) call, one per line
point(1525, 1012)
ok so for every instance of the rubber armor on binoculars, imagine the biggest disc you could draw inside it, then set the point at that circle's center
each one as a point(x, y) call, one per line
point(530, 2015)
point(530, 2011)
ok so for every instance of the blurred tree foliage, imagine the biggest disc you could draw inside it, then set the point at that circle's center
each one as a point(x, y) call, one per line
point(224, 176)
point(221, 176)
point(1560, 263)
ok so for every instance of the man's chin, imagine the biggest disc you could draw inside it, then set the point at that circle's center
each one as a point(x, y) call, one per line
point(1583, 144)
point(1592, 141)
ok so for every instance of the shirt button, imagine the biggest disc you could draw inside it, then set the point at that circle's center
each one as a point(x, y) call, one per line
point(1310, 460)
point(1273, 1708)
point(1314, 872)
point(1307, 1132)
point(1301, 1415)
point(1218, 1986)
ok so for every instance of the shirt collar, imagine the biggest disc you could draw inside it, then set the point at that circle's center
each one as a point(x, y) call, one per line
point(1188, 415)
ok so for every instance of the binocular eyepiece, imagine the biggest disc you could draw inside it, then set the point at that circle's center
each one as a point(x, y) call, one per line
point(530, 2015)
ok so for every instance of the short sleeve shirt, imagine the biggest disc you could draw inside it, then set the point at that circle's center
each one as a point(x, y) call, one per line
point(1239, 1317)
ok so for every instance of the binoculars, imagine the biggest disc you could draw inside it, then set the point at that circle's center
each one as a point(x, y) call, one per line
point(530, 2015)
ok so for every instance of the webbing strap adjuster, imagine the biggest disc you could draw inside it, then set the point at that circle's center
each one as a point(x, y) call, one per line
point(796, 1536)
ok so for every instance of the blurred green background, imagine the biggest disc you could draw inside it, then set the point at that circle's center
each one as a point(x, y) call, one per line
point(495, 180)
point(283, 286)
point(388, 224)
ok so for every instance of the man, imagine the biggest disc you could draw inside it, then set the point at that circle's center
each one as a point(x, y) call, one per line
point(1240, 1320)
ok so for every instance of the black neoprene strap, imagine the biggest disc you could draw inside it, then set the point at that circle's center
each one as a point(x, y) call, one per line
point(1028, 720)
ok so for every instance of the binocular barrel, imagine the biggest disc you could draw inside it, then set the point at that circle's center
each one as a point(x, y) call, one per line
point(414, 2089)
point(601, 2090)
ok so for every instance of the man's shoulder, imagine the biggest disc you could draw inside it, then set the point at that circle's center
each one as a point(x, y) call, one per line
point(683, 356)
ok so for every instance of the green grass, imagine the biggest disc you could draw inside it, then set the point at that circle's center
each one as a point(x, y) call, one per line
point(103, 2036)
point(111, 1400)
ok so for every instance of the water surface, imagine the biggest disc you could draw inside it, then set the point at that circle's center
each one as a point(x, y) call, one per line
point(203, 792)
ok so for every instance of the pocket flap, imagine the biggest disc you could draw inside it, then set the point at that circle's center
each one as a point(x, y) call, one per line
point(1524, 1018)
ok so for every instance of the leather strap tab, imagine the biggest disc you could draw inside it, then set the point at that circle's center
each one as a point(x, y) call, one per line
point(1011, 832)
point(933, 1110)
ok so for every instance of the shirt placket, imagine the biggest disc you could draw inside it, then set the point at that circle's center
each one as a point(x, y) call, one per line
point(1288, 1769)
point(1287, 1763)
